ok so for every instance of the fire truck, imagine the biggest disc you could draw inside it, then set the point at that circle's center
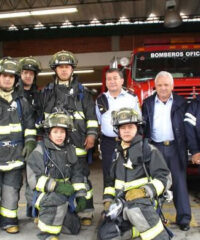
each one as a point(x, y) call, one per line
point(182, 60)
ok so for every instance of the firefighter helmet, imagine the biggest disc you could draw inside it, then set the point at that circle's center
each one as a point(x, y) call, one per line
point(58, 119)
point(125, 116)
point(30, 63)
point(63, 57)
point(10, 66)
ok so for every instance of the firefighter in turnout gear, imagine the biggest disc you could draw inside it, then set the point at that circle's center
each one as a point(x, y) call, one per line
point(140, 173)
point(29, 68)
point(55, 174)
point(17, 140)
point(66, 93)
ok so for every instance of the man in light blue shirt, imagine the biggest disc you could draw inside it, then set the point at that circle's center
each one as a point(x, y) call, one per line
point(112, 100)
point(163, 114)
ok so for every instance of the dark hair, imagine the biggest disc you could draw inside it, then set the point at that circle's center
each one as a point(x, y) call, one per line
point(111, 70)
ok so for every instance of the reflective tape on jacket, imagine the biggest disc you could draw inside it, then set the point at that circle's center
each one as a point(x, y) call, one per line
point(11, 165)
point(152, 232)
point(119, 184)
point(109, 190)
point(8, 213)
point(81, 152)
point(79, 115)
point(28, 132)
point(37, 203)
point(48, 228)
point(12, 127)
point(89, 194)
point(158, 186)
point(41, 183)
point(92, 123)
point(135, 232)
point(78, 186)
point(46, 115)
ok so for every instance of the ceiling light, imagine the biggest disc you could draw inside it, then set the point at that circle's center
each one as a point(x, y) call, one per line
point(123, 20)
point(95, 22)
point(76, 71)
point(172, 17)
point(67, 24)
point(13, 28)
point(37, 12)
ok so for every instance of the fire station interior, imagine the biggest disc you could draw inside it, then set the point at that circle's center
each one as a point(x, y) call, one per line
point(98, 31)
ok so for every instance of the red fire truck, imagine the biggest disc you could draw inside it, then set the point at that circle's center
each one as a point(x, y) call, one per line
point(182, 60)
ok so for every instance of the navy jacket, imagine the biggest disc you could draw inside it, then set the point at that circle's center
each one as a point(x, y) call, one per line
point(192, 125)
point(178, 110)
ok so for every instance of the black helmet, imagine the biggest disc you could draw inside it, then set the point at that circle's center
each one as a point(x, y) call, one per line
point(30, 63)
point(63, 57)
point(58, 119)
point(9, 65)
point(125, 116)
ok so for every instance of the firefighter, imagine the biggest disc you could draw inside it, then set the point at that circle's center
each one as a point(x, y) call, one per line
point(140, 172)
point(17, 140)
point(55, 173)
point(66, 93)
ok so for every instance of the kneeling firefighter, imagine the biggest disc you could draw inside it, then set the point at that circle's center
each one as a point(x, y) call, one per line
point(55, 174)
point(139, 175)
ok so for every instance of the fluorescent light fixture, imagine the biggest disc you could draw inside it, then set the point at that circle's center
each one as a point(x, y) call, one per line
point(37, 12)
point(76, 71)
point(92, 84)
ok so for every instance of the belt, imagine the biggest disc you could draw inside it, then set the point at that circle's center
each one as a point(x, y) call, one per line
point(10, 143)
point(164, 143)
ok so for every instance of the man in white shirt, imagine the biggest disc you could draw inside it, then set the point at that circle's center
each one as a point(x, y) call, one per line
point(112, 100)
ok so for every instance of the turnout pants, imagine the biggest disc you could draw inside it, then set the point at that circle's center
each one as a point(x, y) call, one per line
point(54, 216)
point(10, 184)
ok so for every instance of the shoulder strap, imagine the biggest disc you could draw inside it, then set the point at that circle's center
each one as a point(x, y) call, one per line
point(102, 103)
point(80, 91)
point(146, 156)
point(19, 109)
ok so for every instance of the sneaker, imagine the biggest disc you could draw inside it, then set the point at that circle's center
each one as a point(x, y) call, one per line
point(13, 229)
point(86, 221)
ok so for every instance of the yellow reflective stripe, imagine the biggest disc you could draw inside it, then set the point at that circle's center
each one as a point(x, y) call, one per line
point(41, 183)
point(11, 165)
point(109, 190)
point(89, 194)
point(92, 123)
point(8, 213)
point(29, 132)
point(79, 115)
point(152, 232)
point(158, 186)
point(13, 127)
point(119, 184)
point(62, 180)
point(37, 203)
point(78, 186)
point(46, 115)
point(135, 232)
point(81, 152)
point(48, 228)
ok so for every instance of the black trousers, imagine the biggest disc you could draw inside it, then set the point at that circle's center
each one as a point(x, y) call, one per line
point(107, 146)
point(179, 185)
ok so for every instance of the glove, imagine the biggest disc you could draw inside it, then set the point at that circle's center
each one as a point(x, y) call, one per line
point(81, 204)
point(64, 188)
point(135, 194)
point(28, 148)
point(106, 205)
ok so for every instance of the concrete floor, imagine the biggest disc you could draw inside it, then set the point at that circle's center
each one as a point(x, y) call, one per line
point(28, 229)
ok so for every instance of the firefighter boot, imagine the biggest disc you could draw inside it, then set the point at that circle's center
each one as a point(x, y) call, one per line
point(13, 229)
point(86, 221)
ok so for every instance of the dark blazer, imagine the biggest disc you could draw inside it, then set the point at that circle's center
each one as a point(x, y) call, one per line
point(178, 110)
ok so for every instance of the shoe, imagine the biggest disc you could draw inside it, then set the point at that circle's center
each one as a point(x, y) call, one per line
point(184, 227)
point(86, 221)
point(13, 229)
point(36, 220)
point(54, 238)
